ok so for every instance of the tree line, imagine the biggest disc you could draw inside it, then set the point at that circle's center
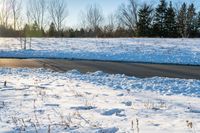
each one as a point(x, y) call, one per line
point(47, 18)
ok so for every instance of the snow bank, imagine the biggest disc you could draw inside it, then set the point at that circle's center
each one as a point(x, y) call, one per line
point(154, 50)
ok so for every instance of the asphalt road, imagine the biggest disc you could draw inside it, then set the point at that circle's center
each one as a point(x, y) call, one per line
point(140, 70)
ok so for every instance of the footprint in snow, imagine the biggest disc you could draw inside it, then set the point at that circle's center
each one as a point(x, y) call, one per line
point(60, 85)
point(108, 130)
point(117, 112)
point(154, 124)
point(88, 93)
point(41, 111)
point(120, 95)
point(127, 103)
point(83, 108)
point(52, 105)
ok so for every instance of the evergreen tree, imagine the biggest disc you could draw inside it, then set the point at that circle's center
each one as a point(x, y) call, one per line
point(182, 20)
point(145, 21)
point(191, 20)
point(82, 32)
point(170, 22)
point(198, 24)
point(71, 32)
point(27, 31)
point(43, 32)
point(35, 30)
point(159, 21)
point(35, 27)
point(52, 30)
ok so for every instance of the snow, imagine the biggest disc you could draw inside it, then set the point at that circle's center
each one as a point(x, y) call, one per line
point(45, 101)
point(154, 50)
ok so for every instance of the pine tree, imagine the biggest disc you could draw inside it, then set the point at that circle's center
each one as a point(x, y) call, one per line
point(43, 32)
point(35, 30)
point(170, 22)
point(159, 21)
point(82, 32)
point(191, 14)
point(198, 24)
point(35, 27)
point(71, 33)
point(182, 21)
point(52, 30)
point(145, 21)
point(27, 30)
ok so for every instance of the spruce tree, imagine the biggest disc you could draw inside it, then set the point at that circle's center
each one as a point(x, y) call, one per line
point(182, 21)
point(170, 22)
point(52, 30)
point(35, 30)
point(145, 20)
point(27, 30)
point(35, 27)
point(191, 20)
point(159, 21)
point(198, 24)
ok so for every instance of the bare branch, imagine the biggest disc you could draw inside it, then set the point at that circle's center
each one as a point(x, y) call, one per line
point(58, 13)
point(127, 15)
point(94, 17)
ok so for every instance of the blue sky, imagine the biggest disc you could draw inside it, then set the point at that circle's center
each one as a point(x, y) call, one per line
point(108, 7)
point(76, 6)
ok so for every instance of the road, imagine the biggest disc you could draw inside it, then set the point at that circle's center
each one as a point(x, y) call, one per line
point(140, 70)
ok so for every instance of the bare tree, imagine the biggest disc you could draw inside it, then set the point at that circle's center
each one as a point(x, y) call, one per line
point(5, 12)
point(28, 14)
point(36, 12)
point(16, 11)
point(109, 26)
point(111, 23)
point(43, 7)
point(82, 20)
point(94, 17)
point(58, 13)
point(127, 14)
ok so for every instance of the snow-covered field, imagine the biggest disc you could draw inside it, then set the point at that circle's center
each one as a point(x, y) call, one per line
point(38, 100)
point(155, 50)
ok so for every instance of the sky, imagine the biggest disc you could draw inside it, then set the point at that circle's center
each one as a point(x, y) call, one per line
point(76, 6)
point(108, 7)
